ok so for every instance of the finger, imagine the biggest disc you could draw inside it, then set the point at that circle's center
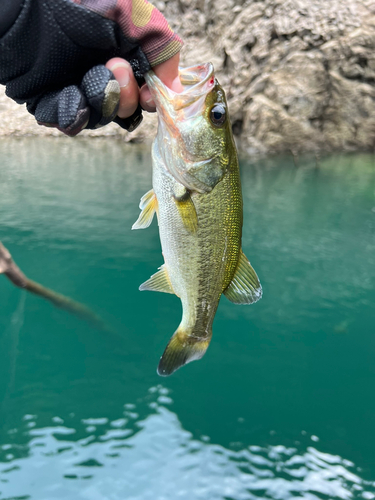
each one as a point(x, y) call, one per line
point(103, 95)
point(132, 122)
point(129, 92)
point(168, 73)
point(66, 110)
point(145, 99)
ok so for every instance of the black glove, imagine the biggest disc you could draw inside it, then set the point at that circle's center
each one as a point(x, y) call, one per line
point(93, 104)
point(49, 45)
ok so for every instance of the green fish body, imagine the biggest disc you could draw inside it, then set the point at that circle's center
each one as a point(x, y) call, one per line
point(197, 197)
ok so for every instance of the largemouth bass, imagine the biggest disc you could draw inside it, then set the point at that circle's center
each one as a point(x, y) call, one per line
point(197, 198)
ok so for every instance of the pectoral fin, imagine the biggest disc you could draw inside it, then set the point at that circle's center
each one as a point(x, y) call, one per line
point(187, 211)
point(148, 206)
point(244, 287)
point(159, 282)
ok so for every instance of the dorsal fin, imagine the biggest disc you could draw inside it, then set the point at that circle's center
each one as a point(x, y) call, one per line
point(148, 206)
point(159, 282)
point(244, 287)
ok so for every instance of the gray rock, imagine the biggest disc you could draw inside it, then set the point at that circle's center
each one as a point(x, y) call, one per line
point(299, 74)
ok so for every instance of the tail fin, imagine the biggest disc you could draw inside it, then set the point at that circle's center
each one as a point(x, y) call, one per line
point(182, 349)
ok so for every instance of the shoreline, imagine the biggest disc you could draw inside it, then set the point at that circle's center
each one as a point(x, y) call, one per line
point(15, 121)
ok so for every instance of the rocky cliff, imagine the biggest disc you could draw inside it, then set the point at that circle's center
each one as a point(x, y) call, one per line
point(299, 74)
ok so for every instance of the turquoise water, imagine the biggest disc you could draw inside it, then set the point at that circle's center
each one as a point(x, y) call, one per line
point(282, 406)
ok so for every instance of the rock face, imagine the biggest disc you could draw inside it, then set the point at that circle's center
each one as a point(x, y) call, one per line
point(299, 74)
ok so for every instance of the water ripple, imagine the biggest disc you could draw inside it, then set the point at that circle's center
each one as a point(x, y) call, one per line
point(155, 458)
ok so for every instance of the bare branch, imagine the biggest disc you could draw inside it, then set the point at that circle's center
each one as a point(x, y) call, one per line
point(9, 268)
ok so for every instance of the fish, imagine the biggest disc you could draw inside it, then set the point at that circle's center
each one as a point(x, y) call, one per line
point(196, 195)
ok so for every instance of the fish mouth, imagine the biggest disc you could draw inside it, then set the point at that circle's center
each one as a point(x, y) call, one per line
point(177, 114)
point(196, 80)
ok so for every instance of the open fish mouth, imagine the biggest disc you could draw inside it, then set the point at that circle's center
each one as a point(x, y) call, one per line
point(197, 82)
point(184, 133)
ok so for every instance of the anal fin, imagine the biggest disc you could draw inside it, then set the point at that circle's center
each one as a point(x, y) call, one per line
point(148, 206)
point(244, 287)
point(159, 282)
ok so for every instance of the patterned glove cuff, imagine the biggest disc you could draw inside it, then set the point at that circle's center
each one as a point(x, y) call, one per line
point(139, 20)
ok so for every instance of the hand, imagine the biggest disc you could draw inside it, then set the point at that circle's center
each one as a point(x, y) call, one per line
point(53, 54)
point(106, 94)
point(131, 95)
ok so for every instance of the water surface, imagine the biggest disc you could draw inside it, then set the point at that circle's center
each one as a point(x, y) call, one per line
point(282, 406)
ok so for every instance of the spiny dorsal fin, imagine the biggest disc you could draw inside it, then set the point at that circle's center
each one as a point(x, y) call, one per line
point(187, 212)
point(148, 205)
point(159, 282)
point(244, 287)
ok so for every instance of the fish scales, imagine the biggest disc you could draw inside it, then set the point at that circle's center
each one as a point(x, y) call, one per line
point(208, 257)
point(197, 197)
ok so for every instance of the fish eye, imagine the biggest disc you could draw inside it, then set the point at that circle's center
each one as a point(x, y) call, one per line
point(218, 115)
